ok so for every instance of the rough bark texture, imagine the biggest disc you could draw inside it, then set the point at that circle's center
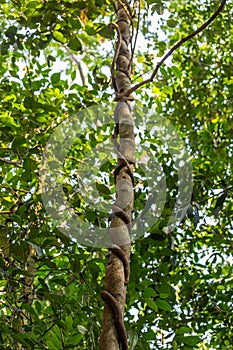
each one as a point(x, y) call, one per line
point(113, 336)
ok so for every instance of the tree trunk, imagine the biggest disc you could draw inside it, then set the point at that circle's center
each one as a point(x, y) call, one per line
point(113, 336)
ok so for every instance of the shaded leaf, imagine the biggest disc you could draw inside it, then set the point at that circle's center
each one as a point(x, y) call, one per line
point(152, 304)
point(196, 218)
point(183, 330)
point(163, 305)
point(23, 339)
point(190, 213)
point(190, 340)
point(133, 339)
point(171, 23)
point(75, 44)
point(105, 31)
point(219, 204)
point(102, 188)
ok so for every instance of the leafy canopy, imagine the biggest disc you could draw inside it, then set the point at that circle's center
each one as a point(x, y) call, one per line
point(55, 60)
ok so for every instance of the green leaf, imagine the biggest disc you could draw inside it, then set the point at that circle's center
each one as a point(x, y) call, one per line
point(158, 8)
point(11, 31)
point(75, 44)
point(74, 339)
point(102, 188)
point(172, 23)
point(22, 339)
point(183, 330)
point(76, 23)
point(163, 305)
point(8, 121)
point(2, 262)
point(190, 340)
point(90, 30)
point(50, 58)
point(176, 72)
point(55, 78)
point(44, 41)
point(105, 31)
point(51, 345)
point(133, 339)
point(164, 295)
point(36, 85)
point(20, 250)
point(152, 304)
point(30, 164)
point(141, 59)
point(33, 4)
point(150, 335)
point(59, 37)
point(38, 306)
point(168, 90)
point(73, 75)
point(148, 293)
point(5, 48)
point(94, 268)
point(30, 310)
point(219, 204)
point(29, 102)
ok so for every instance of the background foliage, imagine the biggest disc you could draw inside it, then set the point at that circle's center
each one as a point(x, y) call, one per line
point(55, 60)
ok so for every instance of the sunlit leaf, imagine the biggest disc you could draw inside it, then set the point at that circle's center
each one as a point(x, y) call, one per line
point(59, 36)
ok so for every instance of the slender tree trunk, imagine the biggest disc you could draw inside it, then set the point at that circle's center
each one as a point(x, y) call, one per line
point(27, 295)
point(113, 336)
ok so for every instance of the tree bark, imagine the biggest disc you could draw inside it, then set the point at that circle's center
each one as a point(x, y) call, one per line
point(113, 336)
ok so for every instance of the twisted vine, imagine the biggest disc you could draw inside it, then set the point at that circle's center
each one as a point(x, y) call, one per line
point(118, 271)
point(118, 315)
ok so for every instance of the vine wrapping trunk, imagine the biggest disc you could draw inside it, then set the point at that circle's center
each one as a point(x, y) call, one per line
point(113, 336)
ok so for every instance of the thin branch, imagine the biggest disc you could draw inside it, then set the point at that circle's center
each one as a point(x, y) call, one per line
point(74, 59)
point(11, 162)
point(28, 74)
point(137, 31)
point(14, 189)
point(135, 7)
point(170, 52)
point(14, 207)
point(117, 51)
point(76, 160)
point(216, 195)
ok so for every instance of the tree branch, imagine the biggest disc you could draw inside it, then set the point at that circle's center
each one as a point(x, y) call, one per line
point(11, 162)
point(117, 51)
point(15, 190)
point(74, 59)
point(14, 207)
point(170, 52)
point(136, 35)
point(216, 195)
